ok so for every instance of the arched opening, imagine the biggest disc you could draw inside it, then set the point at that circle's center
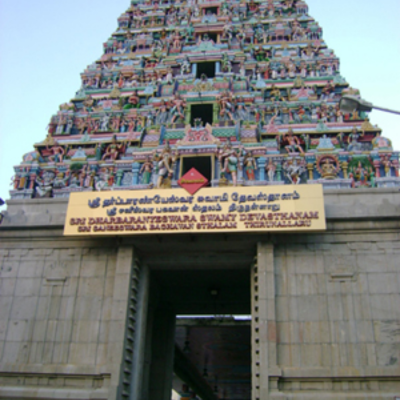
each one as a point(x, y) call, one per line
point(200, 334)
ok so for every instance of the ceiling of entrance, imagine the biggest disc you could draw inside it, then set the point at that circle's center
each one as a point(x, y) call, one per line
point(197, 291)
point(200, 274)
point(207, 251)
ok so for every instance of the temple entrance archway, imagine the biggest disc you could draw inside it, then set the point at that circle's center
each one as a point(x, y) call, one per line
point(199, 331)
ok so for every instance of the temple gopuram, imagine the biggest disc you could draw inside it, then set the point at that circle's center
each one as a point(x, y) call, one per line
point(203, 221)
point(246, 92)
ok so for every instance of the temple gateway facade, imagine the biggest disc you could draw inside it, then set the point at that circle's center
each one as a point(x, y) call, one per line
point(203, 221)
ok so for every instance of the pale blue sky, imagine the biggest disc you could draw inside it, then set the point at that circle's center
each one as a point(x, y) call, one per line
point(45, 45)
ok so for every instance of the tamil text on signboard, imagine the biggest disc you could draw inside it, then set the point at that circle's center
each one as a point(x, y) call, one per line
point(229, 209)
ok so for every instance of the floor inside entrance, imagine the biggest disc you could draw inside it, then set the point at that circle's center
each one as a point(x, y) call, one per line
point(219, 348)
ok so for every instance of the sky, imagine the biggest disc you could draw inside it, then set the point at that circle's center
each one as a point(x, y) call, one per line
point(45, 45)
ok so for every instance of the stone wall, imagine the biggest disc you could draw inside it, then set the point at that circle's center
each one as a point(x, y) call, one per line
point(326, 307)
point(338, 314)
point(62, 318)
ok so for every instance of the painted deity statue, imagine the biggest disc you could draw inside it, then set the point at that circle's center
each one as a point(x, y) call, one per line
point(381, 143)
point(387, 165)
point(361, 174)
point(353, 140)
point(229, 161)
point(164, 165)
point(113, 150)
point(45, 184)
point(60, 181)
point(162, 113)
point(226, 107)
point(57, 153)
point(293, 170)
point(270, 167)
point(293, 142)
point(178, 109)
point(185, 66)
point(146, 171)
point(103, 179)
point(250, 165)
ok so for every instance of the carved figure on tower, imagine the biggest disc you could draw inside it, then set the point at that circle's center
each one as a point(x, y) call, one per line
point(270, 167)
point(293, 170)
point(198, 73)
point(165, 161)
point(250, 166)
point(178, 109)
point(146, 171)
point(226, 107)
point(113, 150)
point(353, 140)
point(229, 161)
point(292, 142)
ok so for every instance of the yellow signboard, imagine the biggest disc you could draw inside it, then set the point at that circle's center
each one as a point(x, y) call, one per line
point(228, 209)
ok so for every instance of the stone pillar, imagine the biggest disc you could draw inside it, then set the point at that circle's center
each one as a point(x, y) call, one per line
point(310, 168)
point(217, 169)
point(279, 172)
point(194, 69)
point(240, 172)
point(140, 335)
point(175, 173)
point(215, 114)
point(32, 180)
point(16, 182)
point(345, 168)
point(120, 175)
point(396, 168)
point(264, 350)
point(255, 340)
point(188, 112)
point(122, 291)
point(135, 170)
point(377, 166)
point(217, 67)
point(162, 360)
point(154, 175)
point(261, 168)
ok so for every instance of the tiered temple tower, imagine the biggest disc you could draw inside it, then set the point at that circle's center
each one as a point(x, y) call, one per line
point(247, 92)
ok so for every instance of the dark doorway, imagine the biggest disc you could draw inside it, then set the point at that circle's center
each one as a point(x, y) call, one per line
point(211, 10)
point(206, 68)
point(211, 347)
point(202, 111)
point(176, 71)
point(213, 37)
point(201, 164)
point(198, 318)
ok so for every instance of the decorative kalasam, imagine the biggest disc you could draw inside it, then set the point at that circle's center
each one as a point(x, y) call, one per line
point(251, 85)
